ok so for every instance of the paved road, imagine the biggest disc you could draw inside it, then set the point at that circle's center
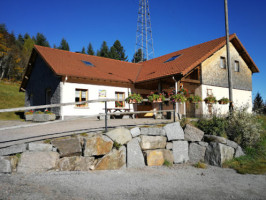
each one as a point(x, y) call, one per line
point(179, 182)
point(17, 132)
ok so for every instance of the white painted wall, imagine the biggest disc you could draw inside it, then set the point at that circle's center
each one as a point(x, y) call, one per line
point(68, 95)
point(241, 98)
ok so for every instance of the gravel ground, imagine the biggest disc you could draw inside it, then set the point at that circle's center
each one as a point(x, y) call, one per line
point(178, 182)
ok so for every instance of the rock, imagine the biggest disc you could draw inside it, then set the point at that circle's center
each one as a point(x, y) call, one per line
point(31, 162)
point(67, 147)
point(19, 148)
point(196, 153)
point(180, 151)
point(14, 162)
point(231, 144)
point(98, 145)
point(40, 147)
point(217, 153)
point(213, 138)
point(153, 131)
point(116, 159)
point(5, 165)
point(158, 157)
point(152, 142)
point(174, 131)
point(120, 135)
point(135, 132)
point(193, 134)
point(239, 152)
point(204, 144)
point(169, 145)
point(135, 158)
point(75, 163)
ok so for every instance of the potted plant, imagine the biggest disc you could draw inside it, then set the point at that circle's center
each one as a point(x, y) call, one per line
point(210, 99)
point(223, 100)
point(29, 115)
point(178, 98)
point(183, 91)
point(156, 98)
point(134, 98)
point(194, 99)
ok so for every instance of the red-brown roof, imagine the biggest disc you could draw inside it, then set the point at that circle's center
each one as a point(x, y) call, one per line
point(67, 63)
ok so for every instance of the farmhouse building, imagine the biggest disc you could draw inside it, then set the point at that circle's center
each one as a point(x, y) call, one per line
point(57, 76)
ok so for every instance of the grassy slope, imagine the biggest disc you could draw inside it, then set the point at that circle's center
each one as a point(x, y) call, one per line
point(10, 97)
point(255, 160)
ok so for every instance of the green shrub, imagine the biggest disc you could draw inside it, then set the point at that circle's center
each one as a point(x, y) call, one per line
point(117, 145)
point(244, 128)
point(214, 126)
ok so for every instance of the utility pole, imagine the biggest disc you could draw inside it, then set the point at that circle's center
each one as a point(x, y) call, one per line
point(228, 58)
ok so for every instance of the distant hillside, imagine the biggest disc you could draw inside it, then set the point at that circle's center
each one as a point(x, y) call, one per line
point(10, 97)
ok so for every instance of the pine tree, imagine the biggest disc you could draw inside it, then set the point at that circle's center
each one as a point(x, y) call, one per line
point(83, 50)
point(117, 51)
point(41, 40)
point(64, 45)
point(104, 51)
point(26, 36)
point(137, 56)
point(258, 103)
point(90, 50)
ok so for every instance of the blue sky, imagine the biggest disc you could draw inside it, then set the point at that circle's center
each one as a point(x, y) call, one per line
point(176, 24)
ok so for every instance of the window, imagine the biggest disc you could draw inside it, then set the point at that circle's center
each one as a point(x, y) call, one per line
point(172, 58)
point(81, 95)
point(222, 63)
point(119, 95)
point(237, 66)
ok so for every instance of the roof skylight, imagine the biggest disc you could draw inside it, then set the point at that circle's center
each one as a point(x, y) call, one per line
point(87, 63)
point(172, 58)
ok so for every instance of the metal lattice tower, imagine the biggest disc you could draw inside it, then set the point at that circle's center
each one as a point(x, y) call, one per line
point(144, 33)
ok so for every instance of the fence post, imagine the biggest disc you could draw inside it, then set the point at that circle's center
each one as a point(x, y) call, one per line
point(105, 103)
point(174, 110)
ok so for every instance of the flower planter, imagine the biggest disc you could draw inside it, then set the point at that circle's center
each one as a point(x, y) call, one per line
point(209, 102)
point(132, 101)
point(43, 117)
point(222, 103)
point(29, 117)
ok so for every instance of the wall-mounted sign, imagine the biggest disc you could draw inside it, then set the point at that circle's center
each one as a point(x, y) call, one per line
point(102, 93)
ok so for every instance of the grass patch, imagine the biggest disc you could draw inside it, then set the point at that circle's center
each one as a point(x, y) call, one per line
point(84, 134)
point(18, 155)
point(167, 163)
point(11, 98)
point(200, 165)
point(47, 141)
point(254, 162)
point(117, 145)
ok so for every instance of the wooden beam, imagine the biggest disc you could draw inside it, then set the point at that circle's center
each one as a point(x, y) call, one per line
point(190, 80)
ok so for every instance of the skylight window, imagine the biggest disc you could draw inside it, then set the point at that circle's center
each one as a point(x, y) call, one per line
point(172, 58)
point(87, 63)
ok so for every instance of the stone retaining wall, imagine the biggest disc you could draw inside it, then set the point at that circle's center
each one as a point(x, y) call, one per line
point(120, 148)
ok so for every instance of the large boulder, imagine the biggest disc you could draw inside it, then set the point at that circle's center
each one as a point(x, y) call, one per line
point(135, 158)
point(213, 138)
point(68, 147)
point(33, 146)
point(196, 152)
point(158, 157)
point(31, 162)
point(5, 165)
point(98, 145)
point(180, 151)
point(152, 142)
point(239, 152)
point(120, 135)
point(135, 132)
point(116, 159)
point(75, 163)
point(169, 145)
point(231, 143)
point(174, 131)
point(19, 148)
point(193, 134)
point(217, 153)
point(153, 131)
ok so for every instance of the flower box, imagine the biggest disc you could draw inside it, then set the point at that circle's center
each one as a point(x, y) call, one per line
point(29, 117)
point(43, 117)
point(134, 98)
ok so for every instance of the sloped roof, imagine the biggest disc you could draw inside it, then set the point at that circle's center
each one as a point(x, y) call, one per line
point(65, 63)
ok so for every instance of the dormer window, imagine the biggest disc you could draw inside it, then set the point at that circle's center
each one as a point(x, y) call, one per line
point(222, 63)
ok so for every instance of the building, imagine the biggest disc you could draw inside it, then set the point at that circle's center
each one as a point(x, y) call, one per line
point(57, 76)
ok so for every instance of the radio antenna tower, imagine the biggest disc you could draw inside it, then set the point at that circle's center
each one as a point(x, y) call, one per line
point(144, 34)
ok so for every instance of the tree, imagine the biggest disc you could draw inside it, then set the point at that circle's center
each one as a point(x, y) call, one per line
point(90, 50)
point(117, 51)
point(41, 40)
point(137, 56)
point(20, 40)
point(258, 103)
point(83, 50)
point(104, 51)
point(64, 45)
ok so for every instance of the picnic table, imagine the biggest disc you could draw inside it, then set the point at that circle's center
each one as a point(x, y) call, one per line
point(118, 110)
